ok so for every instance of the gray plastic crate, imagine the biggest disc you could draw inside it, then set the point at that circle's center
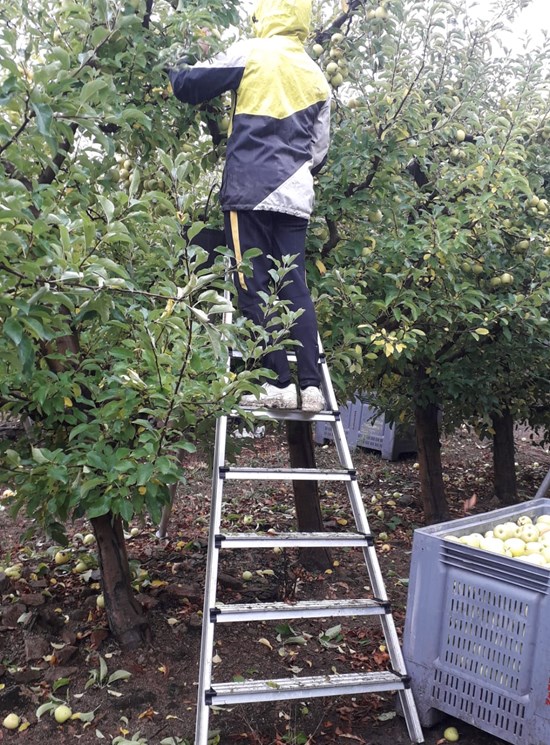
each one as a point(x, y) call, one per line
point(376, 433)
point(350, 415)
point(366, 427)
point(477, 631)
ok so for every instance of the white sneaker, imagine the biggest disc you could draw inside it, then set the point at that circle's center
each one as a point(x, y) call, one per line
point(272, 397)
point(312, 399)
point(257, 433)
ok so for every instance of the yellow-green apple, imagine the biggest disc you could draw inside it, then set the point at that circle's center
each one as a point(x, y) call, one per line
point(515, 546)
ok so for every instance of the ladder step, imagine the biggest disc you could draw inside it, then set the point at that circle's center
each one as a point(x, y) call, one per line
point(291, 474)
point(281, 415)
point(303, 688)
point(228, 613)
point(293, 540)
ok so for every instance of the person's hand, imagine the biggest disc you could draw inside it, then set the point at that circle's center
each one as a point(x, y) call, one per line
point(188, 60)
point(202, 41)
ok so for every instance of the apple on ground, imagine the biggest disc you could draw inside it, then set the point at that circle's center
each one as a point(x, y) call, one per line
point(12, 721)
point(62, 713)
point(451, 734)
point(61, 557)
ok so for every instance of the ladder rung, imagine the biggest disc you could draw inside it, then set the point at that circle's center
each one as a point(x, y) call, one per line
point(291, 474)
point(281, 415)
point(303, 688)
point(294, 540)
point(228, 613)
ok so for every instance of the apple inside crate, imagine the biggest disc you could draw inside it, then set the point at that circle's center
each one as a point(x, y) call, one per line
point(477, 630)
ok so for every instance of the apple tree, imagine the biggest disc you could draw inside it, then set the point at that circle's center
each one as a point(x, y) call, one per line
point(112, 330)
point(431, 242)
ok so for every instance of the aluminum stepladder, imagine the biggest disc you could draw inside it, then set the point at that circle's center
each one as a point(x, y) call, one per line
point(219, 694)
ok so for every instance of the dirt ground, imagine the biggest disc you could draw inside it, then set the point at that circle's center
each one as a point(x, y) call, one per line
point(55, 645)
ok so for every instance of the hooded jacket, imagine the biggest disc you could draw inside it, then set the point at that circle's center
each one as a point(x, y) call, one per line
point(279, 132)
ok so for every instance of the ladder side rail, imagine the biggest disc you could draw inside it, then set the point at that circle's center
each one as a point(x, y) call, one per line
point(212, 555)
point(354, 493)
point(212, 560)
point(371, 557)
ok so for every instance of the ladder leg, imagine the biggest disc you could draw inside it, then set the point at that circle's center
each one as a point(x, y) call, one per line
point(373, 567)
point(212, 559)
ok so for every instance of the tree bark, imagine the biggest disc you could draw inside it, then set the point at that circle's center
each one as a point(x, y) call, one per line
point(306, 493)
point(429, 460)
point(125, 615)
point(504, 458)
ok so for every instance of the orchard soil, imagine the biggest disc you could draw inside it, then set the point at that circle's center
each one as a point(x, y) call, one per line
point(55, 643)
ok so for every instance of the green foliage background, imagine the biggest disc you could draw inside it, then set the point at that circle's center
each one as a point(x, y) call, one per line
point(111, 338)
point(435, 289)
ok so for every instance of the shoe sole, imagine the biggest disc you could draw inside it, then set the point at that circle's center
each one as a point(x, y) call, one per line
point(269, 403)
point(313, 409)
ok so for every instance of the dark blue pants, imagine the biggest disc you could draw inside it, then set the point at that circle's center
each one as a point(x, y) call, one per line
point(277, 235)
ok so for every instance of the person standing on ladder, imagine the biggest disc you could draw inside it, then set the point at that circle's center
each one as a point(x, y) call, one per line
point(278, 141)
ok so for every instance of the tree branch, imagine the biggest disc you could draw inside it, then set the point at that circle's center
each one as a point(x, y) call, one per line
point(333, 237)
point(321, 36)
point(354, 188)
point(48, 174)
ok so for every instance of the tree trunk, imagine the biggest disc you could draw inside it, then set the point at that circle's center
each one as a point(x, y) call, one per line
point(306, 493)
point(429, 460)
point(504, 458)
point(125, 615)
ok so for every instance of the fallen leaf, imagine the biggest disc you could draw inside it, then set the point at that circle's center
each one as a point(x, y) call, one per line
point(470, 503)
point(265, 642)
point(347, 736)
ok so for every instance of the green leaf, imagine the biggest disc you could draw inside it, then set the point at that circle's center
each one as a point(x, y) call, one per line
point(132, 115)
point(45, 708)
point(13, 330)
point(100, 508)
point(102, 669)
point(107, 206)
point(124, 508)
point(92, 88)
point(59, 683)
point(38, 456)
point(119, 675)
point(44, 116)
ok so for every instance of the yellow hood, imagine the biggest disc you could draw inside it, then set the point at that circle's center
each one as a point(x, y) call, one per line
point(282, 18)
